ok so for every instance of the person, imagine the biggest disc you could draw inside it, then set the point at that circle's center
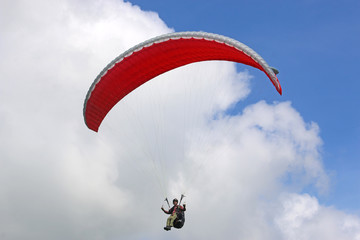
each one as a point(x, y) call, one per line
point(173, 211)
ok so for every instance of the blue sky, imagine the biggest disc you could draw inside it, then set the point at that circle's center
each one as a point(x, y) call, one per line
point(315, 45)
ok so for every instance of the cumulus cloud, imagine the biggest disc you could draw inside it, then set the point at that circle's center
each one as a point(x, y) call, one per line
point(302, 217)
point(61, 181)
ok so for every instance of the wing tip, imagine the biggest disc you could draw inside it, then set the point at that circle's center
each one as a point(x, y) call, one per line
point(274, 70)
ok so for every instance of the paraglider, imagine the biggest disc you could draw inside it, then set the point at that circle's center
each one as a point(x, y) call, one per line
point(177, 215)
point(158, 55)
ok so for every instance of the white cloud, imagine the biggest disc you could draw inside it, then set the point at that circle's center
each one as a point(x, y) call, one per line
point(301, 217)
point(59, 180)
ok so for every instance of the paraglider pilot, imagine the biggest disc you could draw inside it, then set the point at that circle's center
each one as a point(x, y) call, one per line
point(173, 211)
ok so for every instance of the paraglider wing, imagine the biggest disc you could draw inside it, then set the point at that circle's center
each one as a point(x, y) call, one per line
point(156, 56)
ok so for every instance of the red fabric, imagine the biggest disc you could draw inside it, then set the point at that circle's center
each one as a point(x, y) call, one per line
point(149, 62)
